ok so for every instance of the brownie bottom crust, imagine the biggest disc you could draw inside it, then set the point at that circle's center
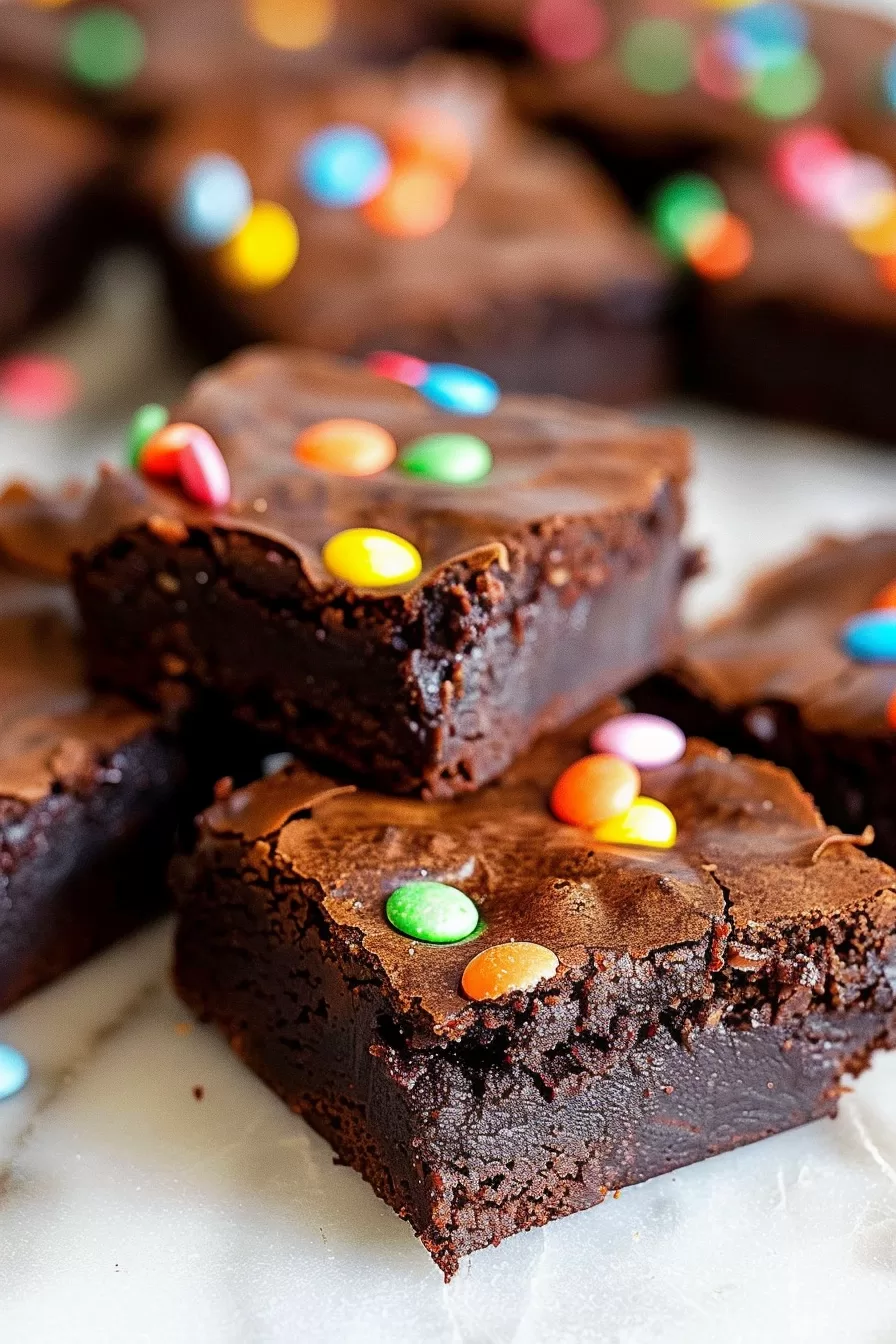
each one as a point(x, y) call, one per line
point(482, 1140)
point(851, 778)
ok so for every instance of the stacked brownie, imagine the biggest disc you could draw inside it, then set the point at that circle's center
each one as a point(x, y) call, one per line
point(497, 1001)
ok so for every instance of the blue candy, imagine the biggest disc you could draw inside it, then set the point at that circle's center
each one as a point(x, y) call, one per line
point(215, 199)
point(343, 166)
point(13, 1071)
point(457, 388)
point(766, 36)
point(871, 637)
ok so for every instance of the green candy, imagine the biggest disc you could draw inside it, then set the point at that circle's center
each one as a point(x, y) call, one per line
point(432, 912)
point(105, 48)
point(452, 459)
point(146, 421)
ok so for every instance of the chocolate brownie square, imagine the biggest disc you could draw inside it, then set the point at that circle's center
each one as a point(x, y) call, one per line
point(534, 271)
point(692, 999)
point(545, 584)
point(774, 678)
point(53, 174)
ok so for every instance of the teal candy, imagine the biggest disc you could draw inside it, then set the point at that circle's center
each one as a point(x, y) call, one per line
point(452, 459)
point(13, 1071)
point(871, 637)
point(146, 421)
point(456, 388)
point(432, 912)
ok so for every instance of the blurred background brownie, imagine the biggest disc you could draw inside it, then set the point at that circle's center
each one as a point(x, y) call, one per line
point(780, 677)
point(55, 168)
point(427, 219)
point(145, 56)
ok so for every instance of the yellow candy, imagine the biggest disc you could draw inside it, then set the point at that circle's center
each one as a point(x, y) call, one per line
point(878, 239)
point(293, 25)
point(647, 822)
point(366, 557)
point(264, 250)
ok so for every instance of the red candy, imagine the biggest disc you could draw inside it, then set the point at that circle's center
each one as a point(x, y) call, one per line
point(38, 387)
point(203, 471)
point(891, 712)
point(161, 452)
point(886, 598)
point(400, 368)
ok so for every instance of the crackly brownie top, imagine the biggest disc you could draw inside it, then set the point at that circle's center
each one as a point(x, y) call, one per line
point(783, 643)
point(48, 152)
point(557, 464)
point(531, 222)
point(52, 728)
point(752, 861)
point(170, 48)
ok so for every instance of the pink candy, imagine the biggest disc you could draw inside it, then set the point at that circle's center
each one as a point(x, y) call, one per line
point(644, 740)
point(203, 472)
point(400, 368)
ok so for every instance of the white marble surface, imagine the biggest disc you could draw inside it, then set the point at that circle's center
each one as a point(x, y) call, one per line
point(131, 1211)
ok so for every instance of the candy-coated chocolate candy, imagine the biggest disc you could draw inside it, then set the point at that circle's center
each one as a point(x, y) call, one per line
point(871, 637)
point(509, 968)
point(104, 47)
point(161, 452)
point(146, 421)
point(400, 368)
point(453, 459)
point(344, 166)
point(38, 387)
point(886, 598)
point(214, 200)
point(646, 740)
point(264, 250)
point(415, 202)
point(432, 912)
point(14, 1071)
point(891, 712)
point(290, 25)
point(430, 135)
point(456, 388)
point(346, 447)
point(203, 472)
point(367, 557)
point(647, 822)
point(594, 789)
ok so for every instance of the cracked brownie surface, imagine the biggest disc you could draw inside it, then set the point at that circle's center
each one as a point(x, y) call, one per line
point(707, 995)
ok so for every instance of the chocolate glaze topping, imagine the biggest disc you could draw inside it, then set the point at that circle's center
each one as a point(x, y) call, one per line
point(555, 462)
point(532, 220)
point(783, 641)
point(746, 865)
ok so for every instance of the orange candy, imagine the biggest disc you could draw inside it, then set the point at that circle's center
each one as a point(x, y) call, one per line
point(725, 252)
point(594, 789)
point(886, 271)
point(160, 455)
point(891, 712)
point(416, 201)
point(430, 136)
point(346, 447)
point(886, 598)
point(509, 968)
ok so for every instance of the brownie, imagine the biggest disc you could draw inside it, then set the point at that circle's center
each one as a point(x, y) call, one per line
point(53, 175)
point(540, 276)
point(807, 330)
point(549, 583)
point(180, 47)
point(706, 996)
point(639, 128)
point(773, 678)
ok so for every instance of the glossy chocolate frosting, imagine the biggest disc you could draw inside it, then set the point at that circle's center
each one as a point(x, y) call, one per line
point(556, 463)
point(783, 642)
point(532, 222)
point(750, 861)
point(53, 731)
